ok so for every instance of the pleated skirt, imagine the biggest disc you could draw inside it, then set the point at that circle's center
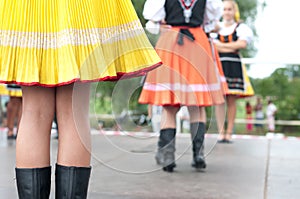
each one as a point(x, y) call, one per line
point(189, 75)
point(218, 63)
point(57, 42)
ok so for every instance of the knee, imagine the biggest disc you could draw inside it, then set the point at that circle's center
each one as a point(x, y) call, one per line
point(171, 110)
point(38, 113)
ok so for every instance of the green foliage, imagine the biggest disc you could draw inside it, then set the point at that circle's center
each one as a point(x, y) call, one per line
point(293, 71)
point(101, 97)
point(114, 97)
point(283, 86)
point(248, 12)
point(139, 5)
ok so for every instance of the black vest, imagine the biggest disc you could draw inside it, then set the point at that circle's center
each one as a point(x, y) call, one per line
point(229, 38)
point(174, 13)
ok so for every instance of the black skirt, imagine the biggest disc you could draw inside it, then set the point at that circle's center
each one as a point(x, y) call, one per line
point(232, 67)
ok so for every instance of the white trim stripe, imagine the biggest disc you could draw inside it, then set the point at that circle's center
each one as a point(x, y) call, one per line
point(74, 37)
point(230, 59)
point(223, 79)
point(182, 87)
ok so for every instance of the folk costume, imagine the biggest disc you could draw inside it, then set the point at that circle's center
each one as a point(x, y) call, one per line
point(235, 72)
point(188, 76)
point(52, 43)
point(213, 13)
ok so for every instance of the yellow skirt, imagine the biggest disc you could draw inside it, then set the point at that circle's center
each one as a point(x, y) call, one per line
point(9, 92)
point(3, 90)
point(248, 86)
point(57, 42)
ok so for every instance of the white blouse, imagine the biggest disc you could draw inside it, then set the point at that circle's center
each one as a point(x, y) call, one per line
point(154, 11)
point(243, 31)
point(213, 13)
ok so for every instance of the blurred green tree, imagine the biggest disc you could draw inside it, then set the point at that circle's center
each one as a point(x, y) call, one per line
point(283, 86)
point(248, 12)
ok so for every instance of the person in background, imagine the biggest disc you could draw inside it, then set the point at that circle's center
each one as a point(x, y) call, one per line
point(232, 37)
point(213, 14)
point(259, 115)
point(54, 57)
point(154, 116)
point(188, 76)
point(271, 112)
point(3, 110)
point(249, 125)
point(14, 110)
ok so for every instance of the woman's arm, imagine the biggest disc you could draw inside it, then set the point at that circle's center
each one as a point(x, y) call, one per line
point(154, 12)
point(231, 46)
point(213, 13)
point(244, 34)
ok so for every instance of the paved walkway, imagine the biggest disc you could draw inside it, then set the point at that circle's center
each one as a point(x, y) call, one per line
point(124, 168)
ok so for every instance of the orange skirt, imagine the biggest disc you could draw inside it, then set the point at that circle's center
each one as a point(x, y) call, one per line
point(218, 63)
point(189, 75)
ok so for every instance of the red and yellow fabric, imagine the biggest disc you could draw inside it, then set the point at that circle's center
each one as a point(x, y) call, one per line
point(15, 93)
point(58, 42)
point(8, 92)
point(3, 90)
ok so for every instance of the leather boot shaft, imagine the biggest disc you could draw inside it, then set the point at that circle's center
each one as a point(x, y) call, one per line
point(33, 183)
point(167, 137)
point(198, 134)
point(71, 182)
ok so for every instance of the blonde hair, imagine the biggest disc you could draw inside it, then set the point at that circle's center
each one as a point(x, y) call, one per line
point(237, 16)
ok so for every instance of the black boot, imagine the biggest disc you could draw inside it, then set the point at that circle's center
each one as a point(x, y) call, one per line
point(71, 182)
point(33, 183)
point(168, 148)
point(197, 133)
point(159, 156)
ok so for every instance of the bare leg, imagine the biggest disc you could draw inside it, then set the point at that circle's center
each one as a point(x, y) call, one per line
point(197, 114)
point(220, 117)
point(72, 109)
point(19, 113)
point(231, 113)
point(10, 118)
point(169, 117)
point(13, 112)
point(33, 142)
point(150, 111)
